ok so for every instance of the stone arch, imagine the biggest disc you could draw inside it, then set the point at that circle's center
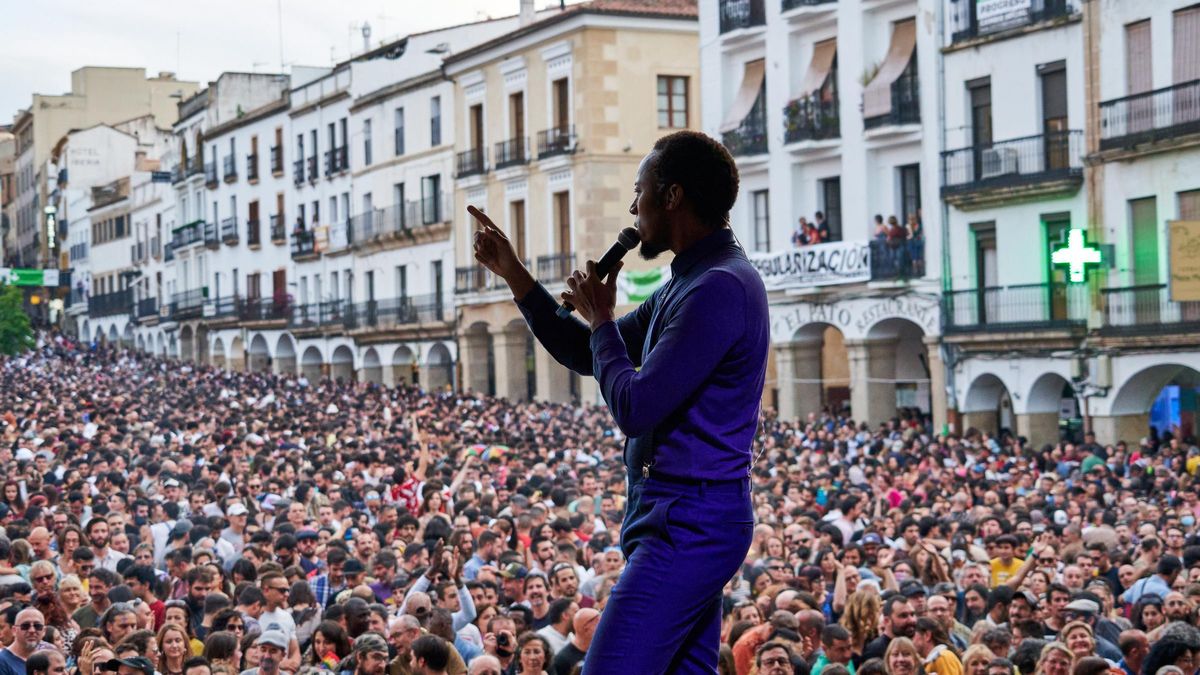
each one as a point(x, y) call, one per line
point(439, 368)
point(987, 405)
point(259, 360)
point(897, 382)
point(114, 338)
point(812, 371)
point(1163, 396)
point(127, 336)
point(285, 355)
point(218, 353)
point(372, 367)
point(341, 364)
point(404, 366)
point(200, 345)
point(187, 340)
point(173, 347)
point(162, 345)
point(480, 375)
point(85, 331)
point(1051, 411)
point(237, 354)
point(311, 364)
point(141, 343)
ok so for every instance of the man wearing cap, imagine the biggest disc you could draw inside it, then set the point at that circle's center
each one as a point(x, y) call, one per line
point(273, 647)
point(28, 629)
point(1085, 610)
point(235, 534)
point(306, 550)
point(136, 665)
point(513, 582)
point(370, 654)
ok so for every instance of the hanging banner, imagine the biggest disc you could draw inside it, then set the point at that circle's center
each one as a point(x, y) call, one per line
point(993, 15)
point(838, 262)
point(636, 287)
point(1183, 260)
point(18, 276)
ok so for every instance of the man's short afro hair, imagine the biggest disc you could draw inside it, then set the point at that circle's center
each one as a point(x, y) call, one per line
point(705, 170)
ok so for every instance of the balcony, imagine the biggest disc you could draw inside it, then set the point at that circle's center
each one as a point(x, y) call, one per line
point(251, 167)
point(811, 119)
point(363, 226)
point(906, 104)
point(736, 14)
point(278, 229)
point(110, 304)
point(512, 152)
point(317, 315)
point(188, 234)
point(168, 253)
point(304, 244)
point(1143, 310)
point(330, 163)
point(265, 309)
point(229, 231)
point(899, 260)
point(343, 158)
point(276, 161)
point(750, 138)
point(210, 175)
point(313, 173)
point(195, 167)
point(396, 312)
point(178, 174)
point(473, 279)
point(556, 141)
point(230, 169)
point(430, 210)
point(187, 304)
point(137, 253)
point(966, 25)
point(253, 234)
point(554, 268)
point(298, 172)
point(211, 238)
point(1034, 166)
point(471, 163)
point(155, 247)
point(1155, 116)
point(789, 5)
point(1017, 308)
point(147, 308)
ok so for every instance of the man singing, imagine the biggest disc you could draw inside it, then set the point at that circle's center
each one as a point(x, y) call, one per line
point(683, 375)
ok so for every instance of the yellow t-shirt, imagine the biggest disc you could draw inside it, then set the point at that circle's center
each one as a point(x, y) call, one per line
point(1002, 573)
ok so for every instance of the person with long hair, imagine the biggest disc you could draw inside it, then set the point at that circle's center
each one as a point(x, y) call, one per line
point(1147, 613)
point(223, 648)
point(901, 657)
point(305, 611)
point(534, 654)
point(71, 594)
point(69, 539)
point(1169, 652)
point(861, 618)
point(937, 652)
point(12, 497)
point(330, 645)
point(56, 615)
point(173, 649)
point(177, 613)
point(1056, 659)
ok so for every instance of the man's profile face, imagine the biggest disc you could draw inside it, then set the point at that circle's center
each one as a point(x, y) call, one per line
point(647, 208)
point(372, 663)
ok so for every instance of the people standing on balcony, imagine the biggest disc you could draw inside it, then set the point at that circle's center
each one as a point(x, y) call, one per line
point(881, 230)
point(916, 243)
point(299, 224)
point(806, 234)
point(823, 227)
point(897, 246)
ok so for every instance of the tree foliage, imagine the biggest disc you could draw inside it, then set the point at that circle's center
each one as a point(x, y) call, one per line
point(16, 331)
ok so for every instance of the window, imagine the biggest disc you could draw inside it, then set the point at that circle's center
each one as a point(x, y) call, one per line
point(1053, 77)
point(672, 102)
point(431, 202)
point(398, 204)
point(560, 98)
point(1189, 204)
point(562, 218)
point(910, 192)
point(399, 131)
point(435, 121)
point(831, 206)
point(1186, 42)
point(402, 281)
point(516, 229)
point(367, 142)
point(987, 273)
point(762, 221)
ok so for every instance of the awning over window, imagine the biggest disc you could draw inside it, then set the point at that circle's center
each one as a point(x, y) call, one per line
point(752, 82)
point(877, 96)
point(818, 68)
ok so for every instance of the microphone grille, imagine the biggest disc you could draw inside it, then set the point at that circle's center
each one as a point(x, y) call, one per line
point(629, 237)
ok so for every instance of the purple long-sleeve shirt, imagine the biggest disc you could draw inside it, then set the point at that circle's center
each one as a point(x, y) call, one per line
point(683, 373)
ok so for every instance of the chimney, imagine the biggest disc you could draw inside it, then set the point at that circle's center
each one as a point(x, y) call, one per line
point(527, 13)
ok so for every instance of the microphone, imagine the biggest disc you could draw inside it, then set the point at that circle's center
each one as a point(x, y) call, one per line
point(626, 240)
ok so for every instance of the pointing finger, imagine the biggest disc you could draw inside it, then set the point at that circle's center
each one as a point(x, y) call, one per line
point(591, 268)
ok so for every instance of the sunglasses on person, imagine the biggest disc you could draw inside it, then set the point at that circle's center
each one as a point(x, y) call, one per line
point(43, 577)
point(31, 625)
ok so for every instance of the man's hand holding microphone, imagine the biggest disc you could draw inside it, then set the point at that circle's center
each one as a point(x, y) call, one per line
point(587, 290)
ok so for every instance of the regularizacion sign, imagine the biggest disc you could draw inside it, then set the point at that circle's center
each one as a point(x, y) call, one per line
point(839, 262)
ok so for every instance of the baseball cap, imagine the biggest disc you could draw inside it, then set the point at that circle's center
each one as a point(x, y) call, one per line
point(1083, 606)
point(170, 482)
point(370, 642)
point(236, 509)
point(872, 538)
point(514, 571)
point(139, 662)
point(273, 637)
point(306, 533)
point(372, 496)
point(353, 566)
point(911, 589)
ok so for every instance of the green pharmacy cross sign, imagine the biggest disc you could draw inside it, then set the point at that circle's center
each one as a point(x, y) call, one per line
point(1076, 255)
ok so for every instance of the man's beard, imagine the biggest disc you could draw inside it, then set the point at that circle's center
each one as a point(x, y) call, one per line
point(649, 250)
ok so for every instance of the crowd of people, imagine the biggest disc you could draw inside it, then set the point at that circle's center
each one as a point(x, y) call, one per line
point(161, 517)
point(897, 245)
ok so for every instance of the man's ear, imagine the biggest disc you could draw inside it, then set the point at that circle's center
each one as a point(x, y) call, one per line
point(674, 196)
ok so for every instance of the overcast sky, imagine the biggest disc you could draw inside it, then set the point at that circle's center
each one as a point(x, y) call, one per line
point(42, 41)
